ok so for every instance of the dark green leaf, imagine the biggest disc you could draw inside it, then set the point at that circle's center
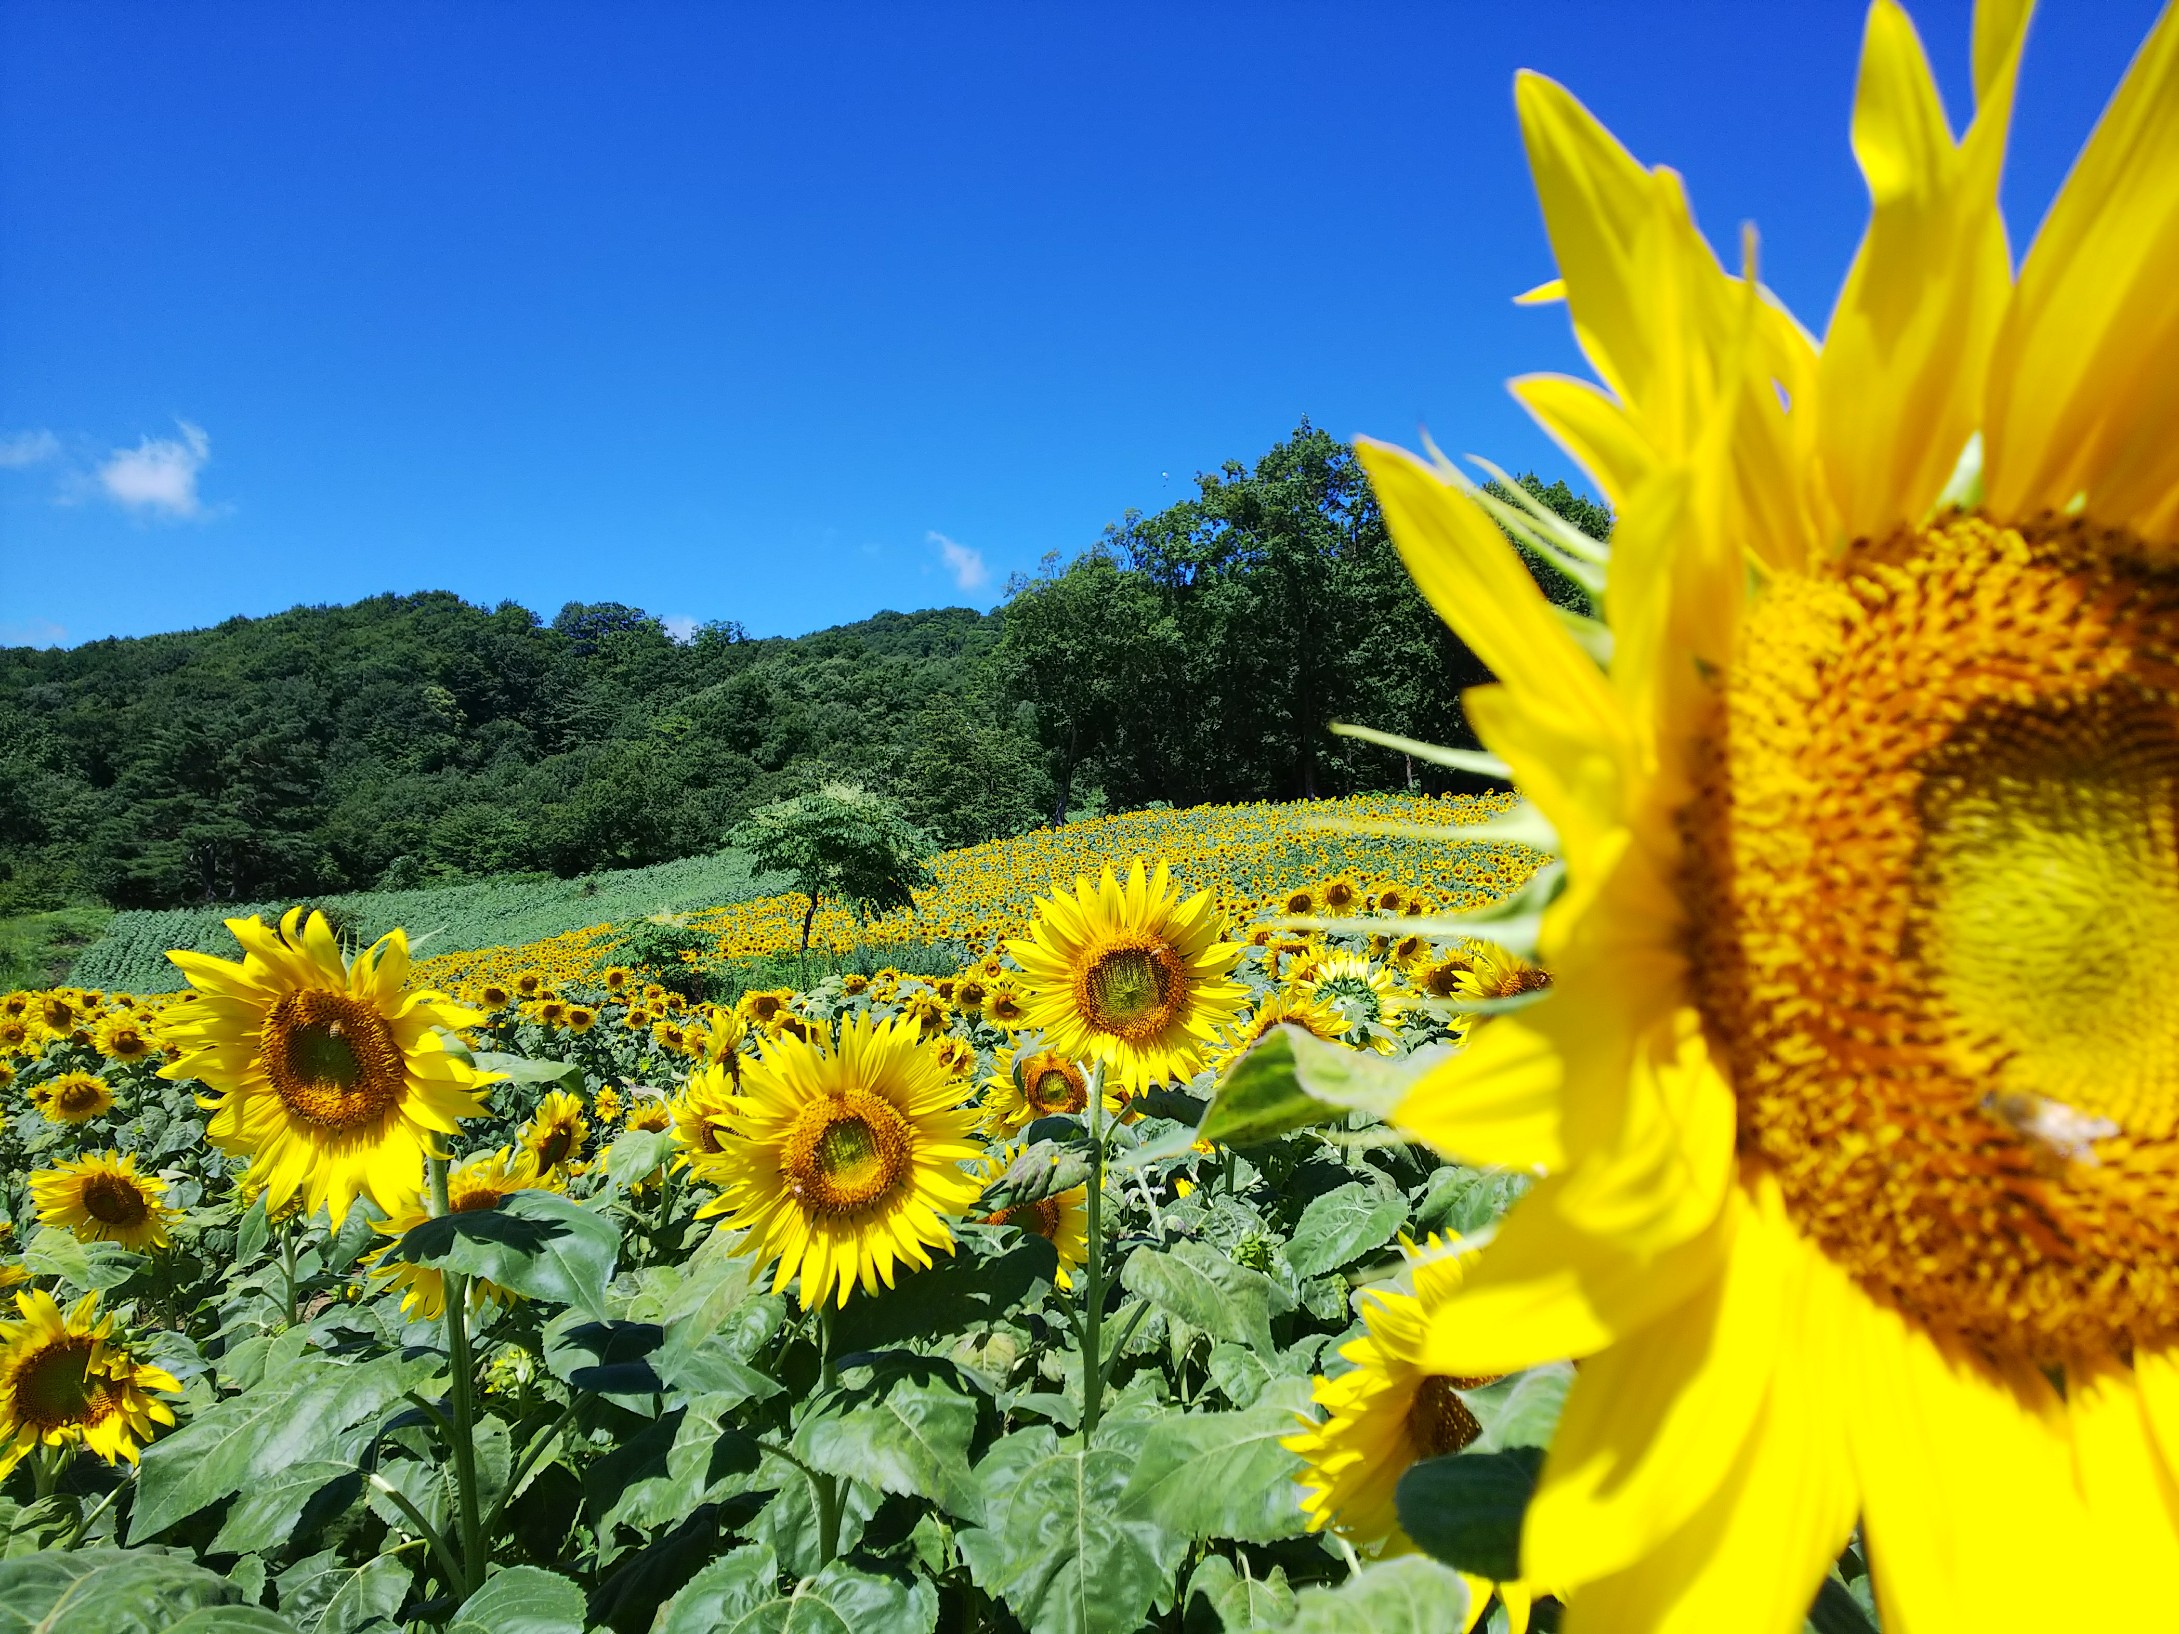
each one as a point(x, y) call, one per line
point(740, 1595)
point(1055, 1545)
point(1242, 1605)
point(1466, 1510)
point(1223, 1475)
point(1836, 1611)
point(912, 1440)
point(295, 1417)
point(266, 1512)
point(1409, 1595)
point(954, 1295)
point(1042, 1170)
point(1204, 1289)
point(115, 1591)
point(327, 1595)
point(1341, 1226)
point(537, 1243)
point(522, 1600)
point(88, 1266)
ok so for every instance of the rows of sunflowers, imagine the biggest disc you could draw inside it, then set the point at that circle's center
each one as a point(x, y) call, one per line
point(576, 1300)
point(1815, 1211)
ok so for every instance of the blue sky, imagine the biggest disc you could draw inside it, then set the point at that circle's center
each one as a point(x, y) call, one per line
point(791, 313)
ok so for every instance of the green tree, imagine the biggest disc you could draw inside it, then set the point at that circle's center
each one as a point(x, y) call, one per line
point(973, 773)
point(839, 840)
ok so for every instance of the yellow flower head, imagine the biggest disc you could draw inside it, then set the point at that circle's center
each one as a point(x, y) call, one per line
point(606, 1104)
point(1295, 1007)
point(1062, 1218)
point(704, 1113)
point(73, 1097)
point(557, 1131)
point(1003, 1007)
point(65, 1380)
point(1856, 1087)
point(1034, 1083)
point(101, 1198)
point(1131, 975)
point(122, 1036)
point(477, 1183)
point(843, 1159)
point(327, 1074)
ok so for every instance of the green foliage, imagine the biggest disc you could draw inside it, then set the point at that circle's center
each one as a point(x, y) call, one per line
point(131, 954)
point(840, 841)
point(41, 949)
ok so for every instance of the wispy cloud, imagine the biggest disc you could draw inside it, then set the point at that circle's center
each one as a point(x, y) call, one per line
point(21, 448)
point(966, 565)
point(159, 475)
point(680, 626)
point(33, 632)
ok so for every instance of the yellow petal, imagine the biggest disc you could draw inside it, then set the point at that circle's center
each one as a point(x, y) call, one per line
point(1654, 1426)
point(2132, 1503)
point(2084, 388)
point(1592, 428)
point(1963, 1477)
point(1901, 380)
point(1495, 1103)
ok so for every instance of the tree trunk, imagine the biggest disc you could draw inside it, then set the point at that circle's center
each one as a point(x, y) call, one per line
point(808, 920)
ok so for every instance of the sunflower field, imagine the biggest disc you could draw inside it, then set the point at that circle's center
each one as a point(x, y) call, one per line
point(1080, 1288)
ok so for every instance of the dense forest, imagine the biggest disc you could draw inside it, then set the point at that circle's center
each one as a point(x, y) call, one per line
point(1195, 654)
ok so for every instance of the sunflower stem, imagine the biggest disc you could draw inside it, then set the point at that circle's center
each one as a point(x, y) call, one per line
point(827, 1486)
point(461, 1384)
point(1093, 1263)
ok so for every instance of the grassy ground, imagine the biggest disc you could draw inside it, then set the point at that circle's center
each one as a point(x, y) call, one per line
point(510, 910)
point(41, 949)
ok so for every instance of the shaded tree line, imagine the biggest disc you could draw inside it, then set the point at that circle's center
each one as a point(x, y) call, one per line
point(1194, 654)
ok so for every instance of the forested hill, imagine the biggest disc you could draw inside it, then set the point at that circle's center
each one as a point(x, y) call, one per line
point(1196, 654)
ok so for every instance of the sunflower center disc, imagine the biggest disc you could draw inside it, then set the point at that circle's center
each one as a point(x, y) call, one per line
point(78, 1098)
point(1934, 897)
point(1132, 992)
point(52, 1388)
point(1054, 1090)
point(847, 1152)
point(1438, 1421)
point(332, 1059)
point(112, 1201)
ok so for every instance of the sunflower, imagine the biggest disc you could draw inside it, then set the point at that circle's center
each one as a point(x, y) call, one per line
point(1386, 1415)
point(325, 1072)
point(557, 1131)
point(969, 994)
point(854, 983)
point(1340, 895)
point(101, 1198)
point(16, 1034)
point(703, 1112)
point(956, 1055)
point(1493, 974)
point(477, 1183)
point(648, 1112)
point(1130, 974)
point(529, 984)
point(1295, 1007)
point(64, 1380)
point(1857, 1087)
point(1003, 1007)
point(1031, 1084)
point(121, 1037)
point(1301, 902)
point(492, 996)
point(56, 1011)
point(606, 1104)
point(928, 1011)
point(846, 1157)
point(762, 1007)
point(1441, 977)
point(1062, 1219)
point(581, 1018)
point(73, 1097)
point(616, 978)
point(1360, 991)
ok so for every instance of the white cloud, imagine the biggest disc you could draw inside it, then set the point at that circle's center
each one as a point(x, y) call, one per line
point(966, 565)
point(35, 632)
point(21, 448)
point(680, 626)
point(159, 474)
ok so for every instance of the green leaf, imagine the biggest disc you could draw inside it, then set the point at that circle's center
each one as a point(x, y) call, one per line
point(1055, 1545)
point(1466, 1509)
point(1043, 1170)
point(718, 1281)
point(522, 1600)
point(638, 1154)
point(1521, 1409)
point(521, 1069)
point(105, 1591)
point(297, 1417)
point(1203, 1288)
point(1292, 1079)
point(1836, 1611)
point(537, 1243)
point(225, 1620)
point(913, 1440)
point(1462, 1200)
point(92, 1267)
point(954, 1295)
point(1223, 1475)
point(266, 1512)
point(326, 1595)
point(1242, 1605)
point(1409, 1595)
point(1345, 1223)
point(740, 1595)
point(251, 1234)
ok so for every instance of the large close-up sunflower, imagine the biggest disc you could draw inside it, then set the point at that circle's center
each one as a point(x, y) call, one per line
point(1857, 1089)
point(845, 1158)
point(1130, 974)
point(101, 1198)
point(65, 1379)
point(330, 1075)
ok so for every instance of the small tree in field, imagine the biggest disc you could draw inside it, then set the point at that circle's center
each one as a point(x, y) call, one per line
point(840, 841)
